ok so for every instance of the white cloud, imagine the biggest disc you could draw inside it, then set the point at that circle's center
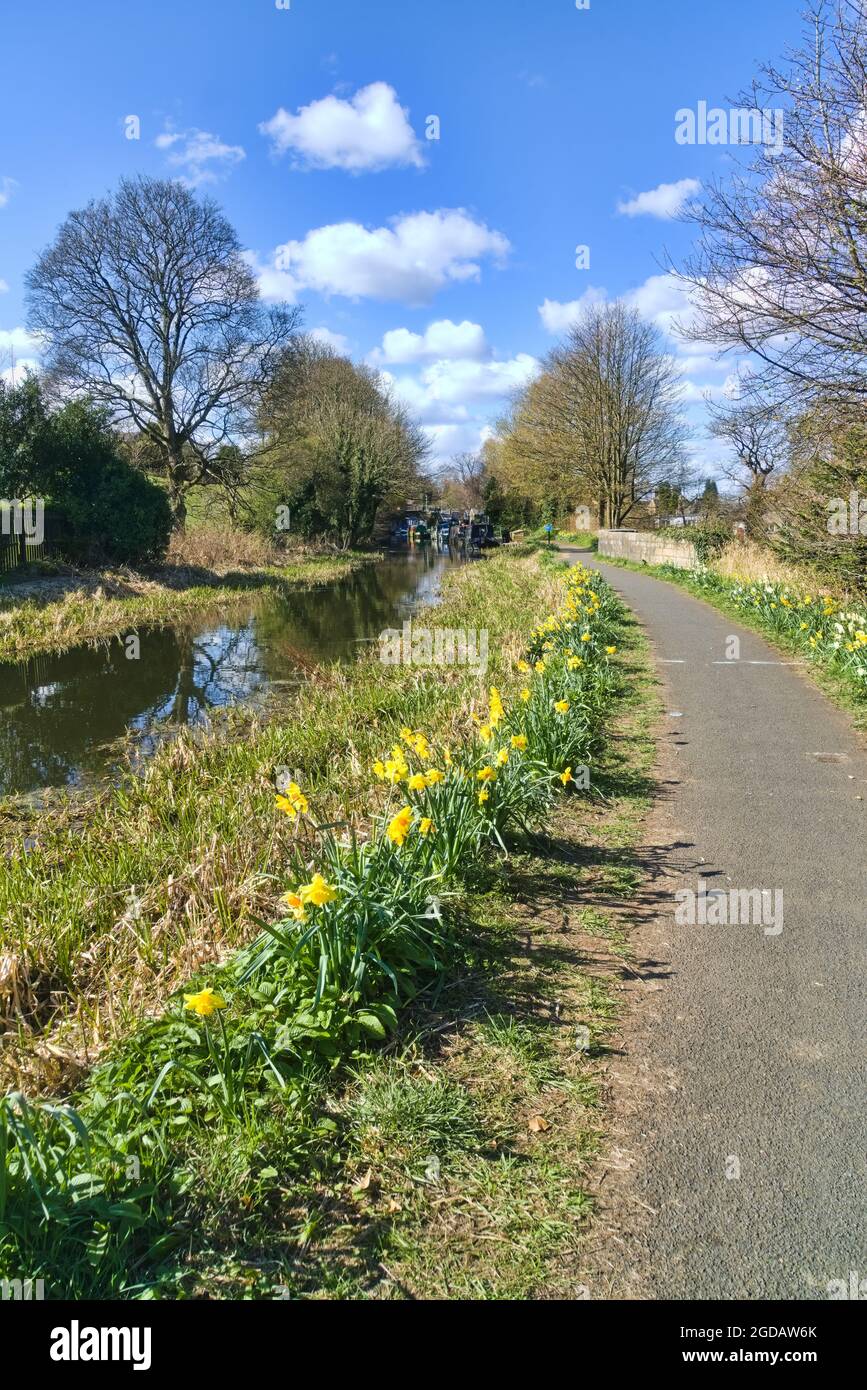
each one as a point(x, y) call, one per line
point(7, 188)
point(368, 133)
point(663, 300)
point(336, 341)
point(693, 363)
point(441, 339)
point(13, 376)
point(666, 201)
point(413, 258)
point(446, 389)
point(4, 288)
point(19, 341)
point(559, 317)
point(454, 400)
point(273, 284)
point(199, 156)
point(692, 393)
point(461, 381)
point(450, 439)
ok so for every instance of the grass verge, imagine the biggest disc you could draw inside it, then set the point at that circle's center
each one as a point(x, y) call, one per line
point(54, 613)
point(231, 1187)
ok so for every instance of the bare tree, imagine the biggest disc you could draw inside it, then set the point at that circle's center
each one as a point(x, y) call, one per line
point(757, 435)
point(150, 309)
point(615, 399)
point(780, 267)
point(466, 473)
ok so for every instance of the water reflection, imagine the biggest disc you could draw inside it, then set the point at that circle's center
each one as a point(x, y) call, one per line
point(58, 713)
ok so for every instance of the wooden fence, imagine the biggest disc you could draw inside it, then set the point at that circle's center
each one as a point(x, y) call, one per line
point(16, 548)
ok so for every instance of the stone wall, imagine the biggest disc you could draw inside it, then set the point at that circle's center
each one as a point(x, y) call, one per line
point(645, 546)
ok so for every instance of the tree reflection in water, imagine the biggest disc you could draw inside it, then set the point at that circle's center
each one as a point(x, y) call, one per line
point(57, 713)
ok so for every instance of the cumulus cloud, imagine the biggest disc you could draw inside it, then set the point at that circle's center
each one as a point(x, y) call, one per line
point(666, 201)
point(458, 384)
point(19, 341)
point(463, 381)
point(449, 439)
point(7, 188)
point(368, 133)
point(441, 339)
point(559, 317)
point(13, 376)
point(199, 156)
point(336, 341)
point(454, 399)
point(410, 260)
point(18, 354)
point(661, 299)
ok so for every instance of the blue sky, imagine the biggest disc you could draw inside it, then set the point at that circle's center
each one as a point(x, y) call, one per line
point(308, 125)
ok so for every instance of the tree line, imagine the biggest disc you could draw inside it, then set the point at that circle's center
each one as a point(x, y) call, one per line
point(162, 367)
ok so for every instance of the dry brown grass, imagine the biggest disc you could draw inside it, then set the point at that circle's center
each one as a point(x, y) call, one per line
point(216, 547)
point(749, 563)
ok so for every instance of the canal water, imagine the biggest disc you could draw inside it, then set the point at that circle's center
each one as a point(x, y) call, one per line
point(61, 716)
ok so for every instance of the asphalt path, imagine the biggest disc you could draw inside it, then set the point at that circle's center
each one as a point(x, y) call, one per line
point(754, 1159)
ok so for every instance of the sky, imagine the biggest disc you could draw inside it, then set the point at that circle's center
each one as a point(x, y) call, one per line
point(417, 174)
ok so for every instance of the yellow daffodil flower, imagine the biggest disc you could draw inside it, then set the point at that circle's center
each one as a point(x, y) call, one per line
point(317, 892)
point(204, 1003)
point(399, 826)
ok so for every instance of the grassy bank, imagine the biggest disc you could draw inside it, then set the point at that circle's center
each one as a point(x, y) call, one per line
point(200, 1133)
point(828, 633)
point(52, 612)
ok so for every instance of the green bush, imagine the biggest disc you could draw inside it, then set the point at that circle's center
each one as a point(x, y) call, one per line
point(98, 506)
point(125, 518)
point(710, 537)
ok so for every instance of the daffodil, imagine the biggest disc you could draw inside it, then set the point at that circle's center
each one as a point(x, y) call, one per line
point(519, 741)
point(566, 777)
point(503, 756)
point(539, 668)
point(495, 708)
point(434, 776)
point(523, 666)
point(611, 651)
point(487, 774)
point(399, 826)
point(574, 662)
point(525, 695)
point(317, 892)
point(204, 1003)
point(295, 904)
point(292, 802)
point(484, 794)
point(417, 782)
point(561, 706)
point(426, 826)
